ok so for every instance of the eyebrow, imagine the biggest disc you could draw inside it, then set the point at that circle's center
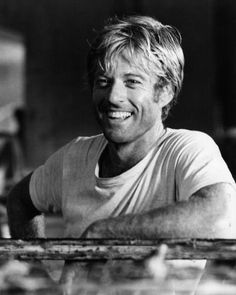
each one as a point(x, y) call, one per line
point(138, 75)
point(135, 75)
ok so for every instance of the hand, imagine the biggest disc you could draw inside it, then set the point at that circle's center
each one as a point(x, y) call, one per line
point(96, 230)
point(108, 228)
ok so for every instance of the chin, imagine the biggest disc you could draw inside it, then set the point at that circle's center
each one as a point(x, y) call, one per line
point(115, 138)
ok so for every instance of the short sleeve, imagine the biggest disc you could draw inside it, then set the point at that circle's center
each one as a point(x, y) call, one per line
point(46, 184)
point(199, 164)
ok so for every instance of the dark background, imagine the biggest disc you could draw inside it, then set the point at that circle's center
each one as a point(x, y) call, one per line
point(55, 33)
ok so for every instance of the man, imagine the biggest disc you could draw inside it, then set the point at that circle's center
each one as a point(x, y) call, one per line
point(138, 179)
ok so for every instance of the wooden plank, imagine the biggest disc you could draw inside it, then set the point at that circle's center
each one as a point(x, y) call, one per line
point(85, 250)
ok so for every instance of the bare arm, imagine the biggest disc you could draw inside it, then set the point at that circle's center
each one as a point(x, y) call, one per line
point(25, 221)
point(209, 213)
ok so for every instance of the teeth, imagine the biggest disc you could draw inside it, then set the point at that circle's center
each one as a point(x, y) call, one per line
point(119, 115)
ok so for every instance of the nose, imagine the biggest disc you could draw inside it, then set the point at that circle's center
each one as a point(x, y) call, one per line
point(117, 92)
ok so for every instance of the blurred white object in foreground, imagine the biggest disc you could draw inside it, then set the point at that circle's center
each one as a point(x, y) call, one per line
point(156, 265)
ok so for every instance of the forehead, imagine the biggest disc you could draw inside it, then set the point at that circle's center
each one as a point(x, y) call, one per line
point(128, 63)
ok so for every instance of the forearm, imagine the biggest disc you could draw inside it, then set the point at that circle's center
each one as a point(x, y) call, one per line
point(200, 217)
point(24, 220)
point(165, 222)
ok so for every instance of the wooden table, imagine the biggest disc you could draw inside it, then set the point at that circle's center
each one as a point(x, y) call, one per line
point(222, 279)
point(85, 250)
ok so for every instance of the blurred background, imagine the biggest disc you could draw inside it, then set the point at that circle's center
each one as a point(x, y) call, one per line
point(44, 97)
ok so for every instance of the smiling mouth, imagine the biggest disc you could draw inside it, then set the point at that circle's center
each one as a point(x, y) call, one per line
point(118, 115)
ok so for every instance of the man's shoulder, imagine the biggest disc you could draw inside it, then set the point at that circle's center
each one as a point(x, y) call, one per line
point(85, 141)
point(93, 139)
point(79, 146)
point(190, 141)
point(86, 144)
point(184, 135)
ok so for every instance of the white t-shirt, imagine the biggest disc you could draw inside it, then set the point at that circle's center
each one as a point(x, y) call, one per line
point(178, 165)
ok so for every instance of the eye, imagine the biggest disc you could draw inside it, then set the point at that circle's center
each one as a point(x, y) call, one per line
point(132, 83)
point(102, 82)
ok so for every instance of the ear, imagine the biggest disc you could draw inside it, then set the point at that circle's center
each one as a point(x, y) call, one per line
point(165, 95)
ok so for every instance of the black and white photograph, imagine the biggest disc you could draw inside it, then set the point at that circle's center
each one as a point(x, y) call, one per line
point(117, 147)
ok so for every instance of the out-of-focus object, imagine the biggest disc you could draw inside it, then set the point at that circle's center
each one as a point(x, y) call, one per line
point(12, 61)
point(21, 276)
point(156, 265)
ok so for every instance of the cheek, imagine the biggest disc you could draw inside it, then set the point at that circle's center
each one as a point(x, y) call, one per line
point(153, 109)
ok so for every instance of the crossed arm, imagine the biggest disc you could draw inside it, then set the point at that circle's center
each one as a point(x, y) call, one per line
point(209, 213)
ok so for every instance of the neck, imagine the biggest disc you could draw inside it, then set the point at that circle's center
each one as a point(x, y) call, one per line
point(120, 157)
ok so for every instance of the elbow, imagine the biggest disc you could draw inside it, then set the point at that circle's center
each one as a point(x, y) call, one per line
point(23, 221)
point(19, 202)
point(225, 225)
point(225, 228)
